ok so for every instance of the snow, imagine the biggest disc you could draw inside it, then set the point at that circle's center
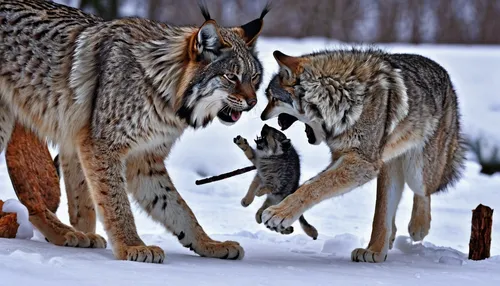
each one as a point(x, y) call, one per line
point(343, 223)
point(25, 229)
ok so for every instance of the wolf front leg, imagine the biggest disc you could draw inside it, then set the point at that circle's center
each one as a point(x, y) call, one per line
point(390, 186)
point(348, 172)
point(102, 165)
point(152, 188)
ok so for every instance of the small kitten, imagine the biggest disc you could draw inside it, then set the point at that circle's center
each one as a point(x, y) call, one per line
point(278, 172)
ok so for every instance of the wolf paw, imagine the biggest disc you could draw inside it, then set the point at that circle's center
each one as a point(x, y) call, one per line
point(419, 227)
point(241, 142)
point(80, 239)
point(223, 250)
point(142, 253)
point(366, 255)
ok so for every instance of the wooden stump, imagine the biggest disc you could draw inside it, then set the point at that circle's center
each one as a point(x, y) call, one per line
point(480, 238)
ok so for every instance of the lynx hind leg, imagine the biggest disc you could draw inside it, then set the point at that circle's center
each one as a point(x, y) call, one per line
point(152, 188)
point(36, 184)
point(390, 185)
point(82, 215)
point(243, 144)
point(6, 125)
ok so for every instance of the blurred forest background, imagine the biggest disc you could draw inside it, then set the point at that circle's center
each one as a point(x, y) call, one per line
point(464, 22)
point(382, 21)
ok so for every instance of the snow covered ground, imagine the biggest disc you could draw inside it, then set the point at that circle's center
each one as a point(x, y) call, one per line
point(344, 223)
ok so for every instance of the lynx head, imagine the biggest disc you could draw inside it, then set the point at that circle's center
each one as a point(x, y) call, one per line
point(285, 98)
point(223, 72)
point(272, 142)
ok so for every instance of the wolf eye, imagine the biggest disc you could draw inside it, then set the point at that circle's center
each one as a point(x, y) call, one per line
point(231, 77)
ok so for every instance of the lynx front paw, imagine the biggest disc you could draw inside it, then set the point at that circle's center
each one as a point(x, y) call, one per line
point(148, 254)
point(80, 239)
point(96, 241)
point(279, 217)
point(366, 255)
point(241, 142)
point(288, 230)
point(223, 250)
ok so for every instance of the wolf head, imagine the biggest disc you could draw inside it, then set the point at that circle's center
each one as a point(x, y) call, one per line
point(223, 72)
point(271, 142)
point(285, 98)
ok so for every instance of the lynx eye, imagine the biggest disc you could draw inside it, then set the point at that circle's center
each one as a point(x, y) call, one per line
point(231, 77)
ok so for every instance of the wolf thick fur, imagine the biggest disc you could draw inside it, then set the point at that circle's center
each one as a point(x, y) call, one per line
point(393, 117)
point(278, 172)
point(115, 96)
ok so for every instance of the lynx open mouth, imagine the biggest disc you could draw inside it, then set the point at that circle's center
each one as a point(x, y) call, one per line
point(229, 115)
point(286, 120)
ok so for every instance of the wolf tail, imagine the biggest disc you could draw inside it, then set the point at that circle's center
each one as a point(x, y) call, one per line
point(308, 229)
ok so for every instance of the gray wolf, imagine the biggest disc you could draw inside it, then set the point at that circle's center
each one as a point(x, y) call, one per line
point(393, 117)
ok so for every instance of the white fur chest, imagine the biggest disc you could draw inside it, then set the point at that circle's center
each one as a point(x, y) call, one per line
point(159, 142)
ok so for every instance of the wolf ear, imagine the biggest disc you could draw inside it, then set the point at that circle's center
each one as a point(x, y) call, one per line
point(292, 65)
point(209, 41)
point(251, 30)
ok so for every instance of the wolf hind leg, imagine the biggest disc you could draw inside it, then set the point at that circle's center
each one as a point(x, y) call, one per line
point(420, 182)
point(420, 222)
point(390, 186)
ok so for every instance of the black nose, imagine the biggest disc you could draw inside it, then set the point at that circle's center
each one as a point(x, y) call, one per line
point(251, 102)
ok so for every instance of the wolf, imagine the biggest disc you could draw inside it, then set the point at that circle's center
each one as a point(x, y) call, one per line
point(278, 172)
point(389, 116)
point(115, 96)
